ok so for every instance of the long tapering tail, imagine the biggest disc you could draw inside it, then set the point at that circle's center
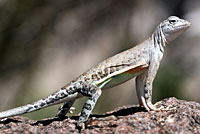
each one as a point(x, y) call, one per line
point(58, 97)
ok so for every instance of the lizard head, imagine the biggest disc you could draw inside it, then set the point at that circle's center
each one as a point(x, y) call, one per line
point(173, 27)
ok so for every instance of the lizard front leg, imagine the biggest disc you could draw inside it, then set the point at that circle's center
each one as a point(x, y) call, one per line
point(148, 84)
point(93, 92)
point(140, 90)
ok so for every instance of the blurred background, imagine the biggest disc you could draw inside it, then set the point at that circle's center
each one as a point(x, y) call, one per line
point(45, 44)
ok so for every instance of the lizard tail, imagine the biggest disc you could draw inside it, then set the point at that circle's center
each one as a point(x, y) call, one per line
point(55, 98)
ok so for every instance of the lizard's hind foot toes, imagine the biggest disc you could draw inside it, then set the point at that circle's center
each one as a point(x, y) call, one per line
point(71, 110)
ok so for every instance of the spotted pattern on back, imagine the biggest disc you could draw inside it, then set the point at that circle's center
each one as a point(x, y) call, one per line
point(116, 63)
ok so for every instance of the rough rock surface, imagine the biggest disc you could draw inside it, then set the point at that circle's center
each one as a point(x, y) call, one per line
point(182, 117)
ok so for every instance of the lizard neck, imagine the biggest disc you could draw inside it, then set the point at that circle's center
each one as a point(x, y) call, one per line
point(158, 39)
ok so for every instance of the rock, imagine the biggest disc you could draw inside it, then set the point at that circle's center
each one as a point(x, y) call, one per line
point(181, 117)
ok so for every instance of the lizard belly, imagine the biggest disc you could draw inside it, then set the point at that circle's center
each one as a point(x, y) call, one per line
point(121, 77)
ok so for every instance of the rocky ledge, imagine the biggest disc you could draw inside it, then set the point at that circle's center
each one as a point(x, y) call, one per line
point(182, 117)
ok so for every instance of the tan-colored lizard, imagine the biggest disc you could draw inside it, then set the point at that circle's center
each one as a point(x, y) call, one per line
point(141, 61)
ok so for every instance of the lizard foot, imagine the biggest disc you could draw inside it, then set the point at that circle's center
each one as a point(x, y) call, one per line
point(80, 125)
point(152, 107)
point(71, 110)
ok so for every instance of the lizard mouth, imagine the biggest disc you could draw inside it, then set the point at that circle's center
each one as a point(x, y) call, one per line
point(186, 24)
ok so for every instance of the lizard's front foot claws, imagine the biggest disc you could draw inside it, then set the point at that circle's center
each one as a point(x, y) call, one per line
point(152, 107)
point(162, 108)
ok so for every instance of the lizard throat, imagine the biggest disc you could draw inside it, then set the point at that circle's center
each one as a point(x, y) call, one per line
point(159, 39)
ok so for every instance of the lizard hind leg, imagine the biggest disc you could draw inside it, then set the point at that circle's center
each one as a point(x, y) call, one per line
point(64, 109)
point(93, 92)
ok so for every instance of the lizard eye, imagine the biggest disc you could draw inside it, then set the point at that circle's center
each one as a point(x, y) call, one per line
point(172, 21)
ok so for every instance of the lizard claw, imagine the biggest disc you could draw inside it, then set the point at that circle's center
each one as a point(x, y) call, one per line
point(81, 125)
point(71, 110)
point(153, 107)
point(162, 108)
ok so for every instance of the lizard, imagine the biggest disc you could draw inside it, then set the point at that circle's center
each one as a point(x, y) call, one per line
point(141, 61)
